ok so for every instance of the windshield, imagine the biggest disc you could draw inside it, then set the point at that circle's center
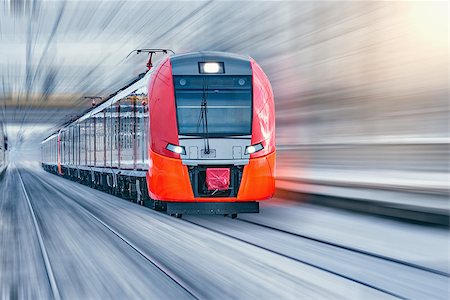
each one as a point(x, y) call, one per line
point(228, 105)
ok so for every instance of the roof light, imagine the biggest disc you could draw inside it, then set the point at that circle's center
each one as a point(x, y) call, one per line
point(253, 148)
point(211, 67)
point(176, 149)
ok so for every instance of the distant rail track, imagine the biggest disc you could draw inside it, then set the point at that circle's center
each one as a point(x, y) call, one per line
point(48, 267)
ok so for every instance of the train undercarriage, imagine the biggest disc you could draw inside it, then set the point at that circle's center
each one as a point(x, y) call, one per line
point(132, 185)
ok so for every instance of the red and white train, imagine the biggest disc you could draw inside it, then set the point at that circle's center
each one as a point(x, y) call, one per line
point(194, 135)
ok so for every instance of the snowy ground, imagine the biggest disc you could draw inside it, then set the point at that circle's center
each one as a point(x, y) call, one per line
point(91, 239)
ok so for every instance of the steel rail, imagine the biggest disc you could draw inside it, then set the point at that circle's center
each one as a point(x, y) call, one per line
point(351, 249)
point(160, 266)
point(48, 266)
point(300, 261)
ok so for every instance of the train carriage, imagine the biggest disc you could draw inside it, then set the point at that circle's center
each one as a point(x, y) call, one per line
point(195, 135)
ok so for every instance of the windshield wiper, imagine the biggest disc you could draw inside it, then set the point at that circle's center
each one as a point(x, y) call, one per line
point(203, 118)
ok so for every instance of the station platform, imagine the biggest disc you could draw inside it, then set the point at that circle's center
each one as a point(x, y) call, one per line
point(405, 178)
point(416, 196)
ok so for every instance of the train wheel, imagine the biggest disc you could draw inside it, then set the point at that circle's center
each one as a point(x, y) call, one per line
point(233, 216)
point(178, 216)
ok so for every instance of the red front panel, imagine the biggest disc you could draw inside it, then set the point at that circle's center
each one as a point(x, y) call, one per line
point(168, 180)
point(263, 124)
point(163, 118)
point(258, 180)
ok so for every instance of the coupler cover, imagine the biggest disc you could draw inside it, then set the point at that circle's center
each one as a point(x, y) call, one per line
point(217, 179)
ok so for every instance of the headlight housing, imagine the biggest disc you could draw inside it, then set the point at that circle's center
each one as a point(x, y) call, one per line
point(211, 67)
point(253, 148)
point(176, 149)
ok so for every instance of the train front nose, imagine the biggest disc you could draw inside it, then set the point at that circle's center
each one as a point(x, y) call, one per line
point(213, 97)
point(214, 115)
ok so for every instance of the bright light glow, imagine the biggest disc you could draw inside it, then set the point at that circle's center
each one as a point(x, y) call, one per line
point(211, 67)
point(251, 149)
point(178, 149)
point(428, 23)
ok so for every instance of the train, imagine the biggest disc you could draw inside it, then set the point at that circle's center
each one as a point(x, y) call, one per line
point(194, 134)
point(3, 149)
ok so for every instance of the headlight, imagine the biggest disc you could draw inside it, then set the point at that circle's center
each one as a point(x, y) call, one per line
point(176, 149)
point(253, 148)
point(211, 67)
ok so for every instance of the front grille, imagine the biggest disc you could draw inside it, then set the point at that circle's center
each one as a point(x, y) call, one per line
point(197, 175)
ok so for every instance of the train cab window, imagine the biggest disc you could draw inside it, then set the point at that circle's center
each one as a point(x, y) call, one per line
point(224, 101)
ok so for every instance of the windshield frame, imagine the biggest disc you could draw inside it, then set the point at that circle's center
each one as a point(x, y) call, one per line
point(208, 89)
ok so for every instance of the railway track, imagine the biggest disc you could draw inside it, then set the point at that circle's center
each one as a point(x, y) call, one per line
point(49, 271)
point(301, 261)
point(340, 272)
point(166, 271)
point(351, 249)
point(147, 256)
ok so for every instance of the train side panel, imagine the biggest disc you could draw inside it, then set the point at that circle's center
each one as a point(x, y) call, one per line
point(107, 147)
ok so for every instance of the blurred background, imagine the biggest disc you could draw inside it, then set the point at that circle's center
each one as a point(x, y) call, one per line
point(361, 88)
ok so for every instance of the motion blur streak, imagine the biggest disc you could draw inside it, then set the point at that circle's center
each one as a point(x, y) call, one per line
point(361, 87)
point(361, 93)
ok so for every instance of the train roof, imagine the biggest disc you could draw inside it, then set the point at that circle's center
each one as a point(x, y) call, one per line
point(188, 63)
point(210, 55)
point(122, 93)
point(135, 84)
point(53, 135)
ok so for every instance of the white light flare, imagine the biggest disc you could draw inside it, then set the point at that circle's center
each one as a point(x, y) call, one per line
point(211, 67)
